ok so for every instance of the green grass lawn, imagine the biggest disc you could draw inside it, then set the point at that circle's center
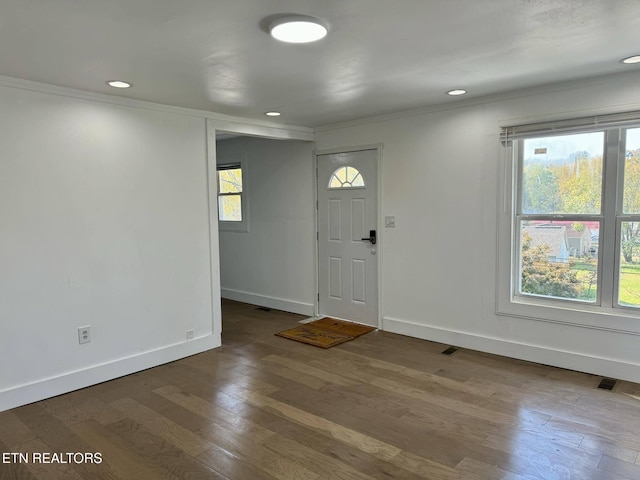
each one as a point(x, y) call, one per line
point(586, 274)
point(630, 284)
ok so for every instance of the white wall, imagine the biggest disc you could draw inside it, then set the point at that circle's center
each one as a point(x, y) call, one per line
point(103, 221)
point(440, 178)
point(273, 263)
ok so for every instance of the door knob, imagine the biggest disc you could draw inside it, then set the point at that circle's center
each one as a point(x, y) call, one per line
point(371, 238)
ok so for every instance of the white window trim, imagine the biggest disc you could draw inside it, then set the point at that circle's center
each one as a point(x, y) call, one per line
point(598, 316)
point(242, 226)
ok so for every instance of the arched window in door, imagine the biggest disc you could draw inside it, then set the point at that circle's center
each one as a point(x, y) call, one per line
point(346, 177)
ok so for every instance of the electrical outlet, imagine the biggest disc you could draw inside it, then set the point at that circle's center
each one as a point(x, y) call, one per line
point(190, 334)
point(84, 334)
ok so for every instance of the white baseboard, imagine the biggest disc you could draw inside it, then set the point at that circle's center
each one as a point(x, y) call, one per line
point(68, 382)
point(558, 358)
point(270, 302)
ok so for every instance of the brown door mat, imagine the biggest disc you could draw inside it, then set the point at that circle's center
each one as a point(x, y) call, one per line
point(340, 326)
point(326, 332)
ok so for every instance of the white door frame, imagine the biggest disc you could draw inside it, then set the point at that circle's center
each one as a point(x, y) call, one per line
point(380, 219)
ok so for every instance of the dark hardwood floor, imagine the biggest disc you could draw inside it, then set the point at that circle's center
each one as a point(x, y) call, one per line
point(383, 406)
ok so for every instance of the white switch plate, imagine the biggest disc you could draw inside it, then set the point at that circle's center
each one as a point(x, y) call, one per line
point(390, 221)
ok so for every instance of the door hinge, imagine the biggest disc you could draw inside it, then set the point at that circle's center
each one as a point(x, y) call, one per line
point(318, 297)
point(318, 236)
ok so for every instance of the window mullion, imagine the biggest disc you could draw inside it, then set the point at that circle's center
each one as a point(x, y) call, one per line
point(611, 206)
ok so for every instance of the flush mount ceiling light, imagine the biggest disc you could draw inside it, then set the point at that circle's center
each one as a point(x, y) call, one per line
point(119, 84)
point(272, 114)
point(631, 60)
point(457, 91)
point(297, 29)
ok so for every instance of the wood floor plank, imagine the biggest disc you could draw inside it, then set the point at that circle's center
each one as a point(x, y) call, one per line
point(343, 407)
point(323, 445)
point(59, 438)
point(445, 402)
point(413, 374)
point(296, 376)
point(233, 466)
point(44, 471)
point(590, 427)
point(12, 431)
point(326, 467)
point(174, 460)
point(534, 443)
point(350, 437)
point(284, 469)
point(424, 467)
point(212, 412)
point(237, 440)
point(620, 467)
point(306, 369)
point(608, 448)
point(13, 470)
point(176, 434)
point(125, 462)
point(472, 469)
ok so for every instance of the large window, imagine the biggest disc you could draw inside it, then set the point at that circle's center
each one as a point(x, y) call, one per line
point(232, 211)
point(576, 218)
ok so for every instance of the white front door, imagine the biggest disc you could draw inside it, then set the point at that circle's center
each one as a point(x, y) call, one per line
point(347, 236)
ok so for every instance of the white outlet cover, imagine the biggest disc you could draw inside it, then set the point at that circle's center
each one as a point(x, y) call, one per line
point(84, 334)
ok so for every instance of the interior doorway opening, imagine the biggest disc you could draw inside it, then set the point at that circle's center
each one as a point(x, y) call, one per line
point(263, 211)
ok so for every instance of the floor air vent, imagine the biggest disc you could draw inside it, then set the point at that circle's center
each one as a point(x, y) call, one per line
point(450, 351)
point(607, 384)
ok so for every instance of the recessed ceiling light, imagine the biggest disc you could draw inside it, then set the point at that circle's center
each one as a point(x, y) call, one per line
point(272, 114)
point(119, 84)
point(457, 91)
point(630, 60)
point(297, 29)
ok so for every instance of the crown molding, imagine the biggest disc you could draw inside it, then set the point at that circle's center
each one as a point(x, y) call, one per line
point(459, 103)
point(229, 121)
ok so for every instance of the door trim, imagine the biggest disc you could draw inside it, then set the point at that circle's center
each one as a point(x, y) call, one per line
point(380, 221)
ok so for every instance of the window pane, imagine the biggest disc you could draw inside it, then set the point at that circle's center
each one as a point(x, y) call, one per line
point(559, 259)
point(358, 181)
point(230, 181)
point(631, 195)
point(629, 286)
point(346, 177)
point(230, 208)
point(335, 182)
point(562, 174)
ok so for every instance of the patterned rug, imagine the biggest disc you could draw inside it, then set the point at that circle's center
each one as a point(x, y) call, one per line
point(326, 332)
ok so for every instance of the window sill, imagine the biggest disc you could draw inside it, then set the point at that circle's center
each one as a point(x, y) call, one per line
point(618, 320)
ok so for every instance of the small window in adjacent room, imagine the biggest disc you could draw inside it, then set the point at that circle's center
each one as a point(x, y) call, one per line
point(346, 177)
point(232, 211)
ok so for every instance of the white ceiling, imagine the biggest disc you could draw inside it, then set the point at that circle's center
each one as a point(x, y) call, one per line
point(380, 56)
